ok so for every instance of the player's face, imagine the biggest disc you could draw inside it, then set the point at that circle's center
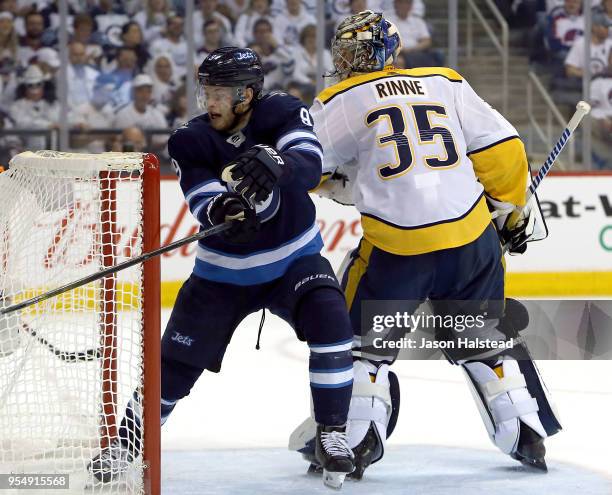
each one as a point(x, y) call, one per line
point(218, 100)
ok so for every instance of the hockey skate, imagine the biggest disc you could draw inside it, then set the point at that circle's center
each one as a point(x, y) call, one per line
point(333, 455)
point(111, 462)
point(530, 451)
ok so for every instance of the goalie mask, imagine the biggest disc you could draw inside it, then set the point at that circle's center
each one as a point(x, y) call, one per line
point(364, 42)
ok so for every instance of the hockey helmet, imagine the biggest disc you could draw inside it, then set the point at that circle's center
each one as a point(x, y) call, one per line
point(234, 67)
point(365, 42)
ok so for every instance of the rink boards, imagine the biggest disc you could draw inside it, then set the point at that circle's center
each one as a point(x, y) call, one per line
point(575, 259)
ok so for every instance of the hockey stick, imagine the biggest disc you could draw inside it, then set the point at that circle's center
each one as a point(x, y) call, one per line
point(582, 109)
point(69, 357)
point(217, 229)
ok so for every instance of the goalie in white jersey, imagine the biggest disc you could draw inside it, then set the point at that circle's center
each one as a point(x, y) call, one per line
point(425, 160)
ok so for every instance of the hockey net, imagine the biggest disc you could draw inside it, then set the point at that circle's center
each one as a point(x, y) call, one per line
point(70, 364)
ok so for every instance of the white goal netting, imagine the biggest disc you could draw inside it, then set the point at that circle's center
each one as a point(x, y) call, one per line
point(69, 365)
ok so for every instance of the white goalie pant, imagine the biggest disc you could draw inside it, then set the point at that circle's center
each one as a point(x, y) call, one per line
point(504, 402)
point(370, 404)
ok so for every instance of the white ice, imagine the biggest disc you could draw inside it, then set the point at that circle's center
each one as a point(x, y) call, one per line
point(230, 435)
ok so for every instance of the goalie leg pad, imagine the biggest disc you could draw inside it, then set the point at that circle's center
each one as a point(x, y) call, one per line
point(373, 411)
point(509, 395)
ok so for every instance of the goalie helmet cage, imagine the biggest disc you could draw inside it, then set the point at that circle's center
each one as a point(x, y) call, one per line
point(70, 365)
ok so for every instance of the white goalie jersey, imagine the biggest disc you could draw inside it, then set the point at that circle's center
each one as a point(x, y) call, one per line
point(421, 149)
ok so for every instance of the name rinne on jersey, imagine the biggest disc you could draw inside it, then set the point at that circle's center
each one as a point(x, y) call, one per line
point(400, 86)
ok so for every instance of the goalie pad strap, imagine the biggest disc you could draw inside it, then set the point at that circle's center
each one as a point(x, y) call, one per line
point(361, 412)
point(515, 410)
point(364, 389)
point(505, 384)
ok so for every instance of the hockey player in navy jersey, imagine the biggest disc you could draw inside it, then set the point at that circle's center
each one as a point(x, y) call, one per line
point(250, 160)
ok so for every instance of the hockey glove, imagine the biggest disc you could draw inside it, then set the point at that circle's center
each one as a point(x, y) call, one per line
point(255, 172)
point(231, 207)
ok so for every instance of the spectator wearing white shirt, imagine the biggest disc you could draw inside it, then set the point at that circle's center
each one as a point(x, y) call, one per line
point(107, 19)
point(287, 27)
point(600, 49)
point(386, 6)
point(161, 69)
point(234, 8)
point(152, 20)
point(81, 77)
point(132, 37)
point(8, 36)
point(606, 9)
point(48, 61)
point(31, 42)
point(94, 114)
point(243, 32)
point(208, 11)
point(213, 40)
point(416, 39)
point(83, 32)
point(306, 58)
point(8, 83)
point(601, 115)
point(174, 44)
point(276, 59)
point(141, 113)
point(36, 107)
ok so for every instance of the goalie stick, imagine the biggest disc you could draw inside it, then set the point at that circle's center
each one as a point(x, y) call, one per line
point(217, 229)
point(582, 109)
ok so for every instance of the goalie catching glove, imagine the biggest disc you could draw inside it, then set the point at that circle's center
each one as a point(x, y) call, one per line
point(255, 172)
point(232, 207)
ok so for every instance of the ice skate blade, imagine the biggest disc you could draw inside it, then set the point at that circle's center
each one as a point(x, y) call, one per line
point(333, 480)
point(537, 465)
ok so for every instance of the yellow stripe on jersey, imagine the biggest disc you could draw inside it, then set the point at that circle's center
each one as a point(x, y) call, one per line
point(503, 170)
point(328, 93)
point(419, 240)
point(357, 271)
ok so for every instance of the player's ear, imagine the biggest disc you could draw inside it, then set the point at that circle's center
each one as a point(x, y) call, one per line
point(248, 95)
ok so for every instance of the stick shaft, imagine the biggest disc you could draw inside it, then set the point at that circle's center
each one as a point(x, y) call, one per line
point(217, 229)
point(582, 109)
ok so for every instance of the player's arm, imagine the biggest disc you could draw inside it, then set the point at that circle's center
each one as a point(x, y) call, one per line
point(198, 182)
point(209, 200)
point(494, 147)
point(293, 163)
point(500, 163)
point(339, 148)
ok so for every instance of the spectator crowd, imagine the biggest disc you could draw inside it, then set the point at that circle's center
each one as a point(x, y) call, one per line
point(128, 60)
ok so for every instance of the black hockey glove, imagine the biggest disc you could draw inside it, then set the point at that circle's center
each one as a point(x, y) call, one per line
point(231, 207)
point(515, 237)
point(255, 172)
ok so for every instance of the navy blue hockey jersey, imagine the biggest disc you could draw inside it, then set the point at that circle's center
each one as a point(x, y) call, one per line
point(289, 229)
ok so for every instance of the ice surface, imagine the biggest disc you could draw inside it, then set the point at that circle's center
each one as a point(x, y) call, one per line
point(414, 470)
point(230, 435)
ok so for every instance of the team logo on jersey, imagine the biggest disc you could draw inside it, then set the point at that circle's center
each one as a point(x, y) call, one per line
point(236, 139)
point(182, 339)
